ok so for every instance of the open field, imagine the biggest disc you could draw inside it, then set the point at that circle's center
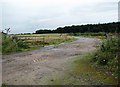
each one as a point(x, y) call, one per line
point(33, 41)
point(52, 34)
point(38, 40)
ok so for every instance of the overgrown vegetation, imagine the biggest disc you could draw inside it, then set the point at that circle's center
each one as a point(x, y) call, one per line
point(108, 55)
point(11, 45)
point(4, 84)
point(22, 44)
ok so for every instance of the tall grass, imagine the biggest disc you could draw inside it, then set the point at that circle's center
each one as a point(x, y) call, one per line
point(11, 45)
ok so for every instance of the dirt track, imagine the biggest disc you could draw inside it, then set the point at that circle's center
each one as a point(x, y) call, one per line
point(29, 68)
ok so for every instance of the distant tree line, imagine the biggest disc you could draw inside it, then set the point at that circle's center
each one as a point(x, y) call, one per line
point(43, 31)
point(106, 27)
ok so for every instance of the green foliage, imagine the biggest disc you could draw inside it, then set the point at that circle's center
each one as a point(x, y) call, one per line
point(79, 72)
point(86, 33)
point(3, 84)
point(108, 55)
point(95, 28)
point(99, 35)
point(11, 45)
point(60, 40)
point(14, 45)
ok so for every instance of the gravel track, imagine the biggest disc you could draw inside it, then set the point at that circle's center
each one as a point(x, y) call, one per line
point(29, 68)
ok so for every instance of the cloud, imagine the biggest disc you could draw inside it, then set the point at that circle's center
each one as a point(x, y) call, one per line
point(29, 15)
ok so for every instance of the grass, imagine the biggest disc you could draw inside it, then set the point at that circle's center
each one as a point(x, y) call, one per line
point(54, 34)
point(99, 67)
point(99, 35)
point(3, 84)
point(107, 56)
point(49, 39)
point(9, 45)
point(58, 39)
point(87, 33)
point(80, 72)
point(83, 66)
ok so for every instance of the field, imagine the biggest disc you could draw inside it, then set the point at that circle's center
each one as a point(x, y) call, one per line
point(32, 41)
point(45, 39)
point(99, 35)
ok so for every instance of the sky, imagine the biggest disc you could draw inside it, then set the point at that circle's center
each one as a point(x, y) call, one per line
point(27, 16)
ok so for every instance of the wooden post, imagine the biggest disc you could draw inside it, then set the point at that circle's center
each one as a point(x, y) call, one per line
point(108, 37)
point(43, 41)
point(25, 41)
point(35, 42)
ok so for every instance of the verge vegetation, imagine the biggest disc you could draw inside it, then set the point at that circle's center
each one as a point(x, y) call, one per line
point(80, 72)
point(11, 45)
point(107, 56)
point(106, 59)
point(15, 45)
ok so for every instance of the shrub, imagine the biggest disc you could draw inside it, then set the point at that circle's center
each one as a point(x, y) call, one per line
point(108, 55)
point(11, 45)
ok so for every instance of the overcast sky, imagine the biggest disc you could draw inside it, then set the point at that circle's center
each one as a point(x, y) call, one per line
point(30, 15)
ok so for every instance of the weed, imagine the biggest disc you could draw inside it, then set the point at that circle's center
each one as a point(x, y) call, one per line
point(107, 55)
point(11, 45)
point(3, 84)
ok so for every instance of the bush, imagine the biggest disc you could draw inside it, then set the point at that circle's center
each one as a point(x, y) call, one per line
point(11, 45)
point(108, 55)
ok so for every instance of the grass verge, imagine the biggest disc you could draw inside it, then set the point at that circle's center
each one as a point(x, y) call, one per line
point(80, 72)
point(107, 56)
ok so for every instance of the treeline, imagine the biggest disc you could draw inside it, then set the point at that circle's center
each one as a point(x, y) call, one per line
point(106, 27)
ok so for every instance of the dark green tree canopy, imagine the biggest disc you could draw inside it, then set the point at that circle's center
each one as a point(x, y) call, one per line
point(106, 27)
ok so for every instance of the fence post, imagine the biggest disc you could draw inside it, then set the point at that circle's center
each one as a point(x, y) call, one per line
point(107, 36)
point(119, 36)
point(43, 41)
